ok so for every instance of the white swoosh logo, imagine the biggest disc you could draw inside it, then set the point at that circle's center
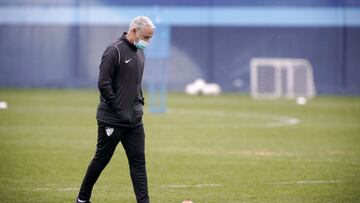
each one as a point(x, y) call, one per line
point(127, 61)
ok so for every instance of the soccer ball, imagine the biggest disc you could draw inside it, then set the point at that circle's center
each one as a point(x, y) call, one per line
point(301, 100)
point(200, 87)
point(211, 89)
point(187, 201)
point(196, 87)
point(3, 105)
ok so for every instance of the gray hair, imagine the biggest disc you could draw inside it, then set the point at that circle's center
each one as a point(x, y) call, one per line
point(140, 22)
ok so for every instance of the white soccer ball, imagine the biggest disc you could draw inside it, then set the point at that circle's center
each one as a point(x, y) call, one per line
point(191, 89)
point(301, 100)
point(211, 89)
point(196, 87)
point(187, 201)
point(200, 87)
point(3, 105)
point(199, 82)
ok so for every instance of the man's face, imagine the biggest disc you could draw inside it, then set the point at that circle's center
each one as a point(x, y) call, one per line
point(146, 33)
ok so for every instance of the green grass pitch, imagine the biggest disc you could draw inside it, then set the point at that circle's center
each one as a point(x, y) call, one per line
point(227, 149)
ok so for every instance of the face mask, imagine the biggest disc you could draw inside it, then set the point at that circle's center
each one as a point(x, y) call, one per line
point(141, 44)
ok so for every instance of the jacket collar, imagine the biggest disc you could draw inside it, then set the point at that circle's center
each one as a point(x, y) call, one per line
point(131, 45)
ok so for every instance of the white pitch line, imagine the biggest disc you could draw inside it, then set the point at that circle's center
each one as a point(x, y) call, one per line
point(176, 186)
point(271, 120)
point(191, 186)
point(208, 185)
point(68, 189)
point(303, 182)
point(53, 189)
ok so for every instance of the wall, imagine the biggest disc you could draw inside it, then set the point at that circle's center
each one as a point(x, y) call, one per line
point(59, 44)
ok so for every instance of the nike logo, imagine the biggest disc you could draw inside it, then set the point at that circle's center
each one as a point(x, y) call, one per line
point(127, 61)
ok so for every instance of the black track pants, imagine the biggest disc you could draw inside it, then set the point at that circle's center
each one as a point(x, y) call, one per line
point(133, 141)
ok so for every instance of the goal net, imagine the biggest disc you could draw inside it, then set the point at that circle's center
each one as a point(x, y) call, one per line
point(273, 78)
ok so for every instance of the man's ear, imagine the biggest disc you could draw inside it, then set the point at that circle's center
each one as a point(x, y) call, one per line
point(134, 30)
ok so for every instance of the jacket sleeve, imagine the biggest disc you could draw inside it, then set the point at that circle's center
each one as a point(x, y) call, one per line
point(108, 66)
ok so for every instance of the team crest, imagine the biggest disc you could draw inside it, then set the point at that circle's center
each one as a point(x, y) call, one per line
point(109, 131)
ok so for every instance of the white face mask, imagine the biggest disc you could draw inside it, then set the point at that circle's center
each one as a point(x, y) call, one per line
point(141, 44)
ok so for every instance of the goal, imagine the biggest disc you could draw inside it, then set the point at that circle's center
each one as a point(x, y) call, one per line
point(273, 78)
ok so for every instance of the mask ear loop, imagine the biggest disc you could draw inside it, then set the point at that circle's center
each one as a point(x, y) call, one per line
point(138, 35)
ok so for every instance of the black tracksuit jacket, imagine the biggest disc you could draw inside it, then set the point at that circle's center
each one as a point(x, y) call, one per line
point(121, 72)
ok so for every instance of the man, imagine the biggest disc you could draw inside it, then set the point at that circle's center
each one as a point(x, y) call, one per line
point(119, 113)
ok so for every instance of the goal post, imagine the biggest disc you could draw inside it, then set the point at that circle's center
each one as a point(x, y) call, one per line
point(273, 78)
point(159, 53)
